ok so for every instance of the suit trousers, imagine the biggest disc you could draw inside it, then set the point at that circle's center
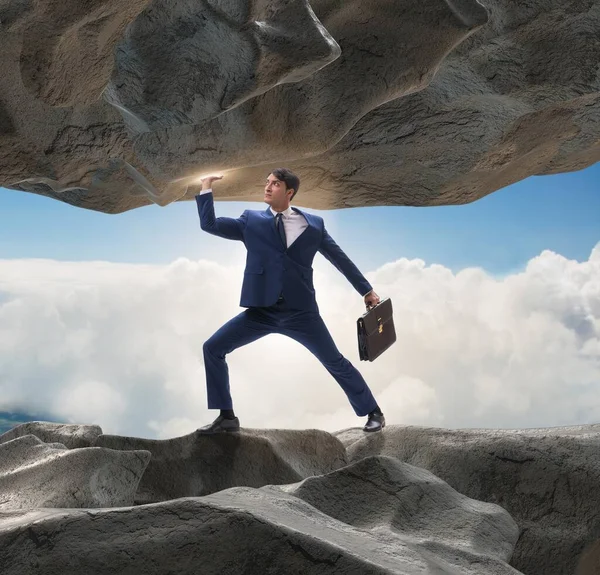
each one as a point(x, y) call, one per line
point(306, 327)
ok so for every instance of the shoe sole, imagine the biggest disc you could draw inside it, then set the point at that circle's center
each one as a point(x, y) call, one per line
point(198, 432)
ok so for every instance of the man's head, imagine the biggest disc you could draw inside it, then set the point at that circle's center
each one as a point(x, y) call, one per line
point(281, 186)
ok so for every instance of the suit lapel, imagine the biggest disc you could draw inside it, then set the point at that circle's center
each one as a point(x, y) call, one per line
point(307, 217)
point(308, 232)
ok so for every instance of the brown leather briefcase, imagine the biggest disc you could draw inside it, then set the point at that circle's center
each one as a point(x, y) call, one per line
point(376, 330)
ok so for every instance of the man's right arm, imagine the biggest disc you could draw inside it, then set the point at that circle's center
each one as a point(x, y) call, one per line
point(228, 228)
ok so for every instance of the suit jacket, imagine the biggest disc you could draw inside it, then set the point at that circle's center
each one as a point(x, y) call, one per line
point(273, 269)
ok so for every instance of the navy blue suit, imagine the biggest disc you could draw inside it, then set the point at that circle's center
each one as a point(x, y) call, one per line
point(279, 294)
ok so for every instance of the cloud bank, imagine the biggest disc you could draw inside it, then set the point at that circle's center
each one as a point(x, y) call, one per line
point(120, 346)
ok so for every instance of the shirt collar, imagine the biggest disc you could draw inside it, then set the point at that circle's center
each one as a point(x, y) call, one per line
point(286, 213)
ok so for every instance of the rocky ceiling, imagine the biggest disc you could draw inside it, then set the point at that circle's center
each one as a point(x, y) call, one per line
point(111, 105)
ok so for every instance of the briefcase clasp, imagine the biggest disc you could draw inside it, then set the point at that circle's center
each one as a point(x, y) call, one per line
point(380, 325)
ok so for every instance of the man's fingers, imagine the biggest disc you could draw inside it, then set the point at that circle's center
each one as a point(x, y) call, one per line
point(210, 178)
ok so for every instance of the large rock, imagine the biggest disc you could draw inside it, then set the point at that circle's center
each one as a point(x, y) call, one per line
point(547, 479)
point(35, 474)
point(421, 527)
point(69, 435)
point(421, 102)
point(188, 62)
point(195, 465)
point(383, 495)
point(67, 55)
point(386, 53)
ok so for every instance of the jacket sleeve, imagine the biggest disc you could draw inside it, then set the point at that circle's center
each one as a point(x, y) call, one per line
point(344, 264)
point(228, 228)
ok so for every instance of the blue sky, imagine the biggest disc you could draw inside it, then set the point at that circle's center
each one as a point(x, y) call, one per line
point(500, 232)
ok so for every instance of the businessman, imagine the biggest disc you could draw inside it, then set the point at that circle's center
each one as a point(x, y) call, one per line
point(278, 294)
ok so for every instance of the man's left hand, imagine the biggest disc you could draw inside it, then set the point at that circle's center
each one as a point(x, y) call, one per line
point(372, 299)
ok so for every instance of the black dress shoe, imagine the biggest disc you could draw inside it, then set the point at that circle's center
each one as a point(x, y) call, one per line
point(376, 422)
point(220, 425)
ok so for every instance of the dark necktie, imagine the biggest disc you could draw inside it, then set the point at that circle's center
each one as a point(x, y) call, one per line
point(280, 229)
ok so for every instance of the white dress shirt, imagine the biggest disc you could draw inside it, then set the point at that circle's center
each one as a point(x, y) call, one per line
point(293, 222)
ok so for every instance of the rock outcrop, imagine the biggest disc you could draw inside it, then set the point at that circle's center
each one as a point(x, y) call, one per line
point(323, 527)
point(35, 474)
point(407, 500)
point(415, 508)
point(424, 102)
point(69, 435)
point(547, 479)
point(195, 465)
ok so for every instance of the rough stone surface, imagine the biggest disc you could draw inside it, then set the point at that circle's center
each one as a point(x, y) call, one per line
point(547, 479)
point(195, 465)
point(360, 506)
point(423, 102)
point(70, 436)
point(68, 48)
point(35, 474)
point(386, 53)
point(267, 530)
point(188, 62)
point(383, 494)
point(590, 560)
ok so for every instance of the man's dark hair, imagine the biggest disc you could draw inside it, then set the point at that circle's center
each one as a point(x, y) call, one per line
point(292, 181)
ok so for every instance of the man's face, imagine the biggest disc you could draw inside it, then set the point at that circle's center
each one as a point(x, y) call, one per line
point(276, 192)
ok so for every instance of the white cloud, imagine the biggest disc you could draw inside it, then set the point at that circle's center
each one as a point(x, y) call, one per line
point(121, 346)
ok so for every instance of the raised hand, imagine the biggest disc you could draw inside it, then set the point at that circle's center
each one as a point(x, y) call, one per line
point(207, 181)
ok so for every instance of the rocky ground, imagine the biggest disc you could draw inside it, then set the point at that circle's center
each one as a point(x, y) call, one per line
point(406, 501)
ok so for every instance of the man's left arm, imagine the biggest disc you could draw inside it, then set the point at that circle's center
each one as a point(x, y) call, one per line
point(332, 252)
